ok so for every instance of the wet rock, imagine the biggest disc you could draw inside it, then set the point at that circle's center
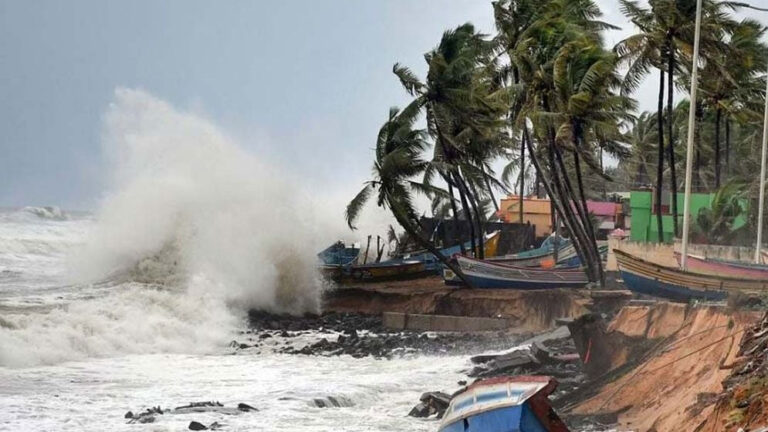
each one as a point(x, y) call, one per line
point(431, 403)
point(265, 336)
point(195, 426)
point(333, 402)
point(146, 419)
point(421, 410)
point(245, 407)
point(147, 416)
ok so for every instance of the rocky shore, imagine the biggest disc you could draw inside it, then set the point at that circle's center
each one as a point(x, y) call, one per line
point(489, 354)
point(359, 336)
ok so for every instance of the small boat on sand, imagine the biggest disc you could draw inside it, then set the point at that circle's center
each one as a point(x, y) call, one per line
point(488, 274)
point(672, 283)
point(504, 404)
point(698, 264)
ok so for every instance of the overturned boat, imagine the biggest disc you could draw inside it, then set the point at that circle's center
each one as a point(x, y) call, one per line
point(504, 404)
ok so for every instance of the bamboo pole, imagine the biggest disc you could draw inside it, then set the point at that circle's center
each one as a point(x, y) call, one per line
point(691, 133)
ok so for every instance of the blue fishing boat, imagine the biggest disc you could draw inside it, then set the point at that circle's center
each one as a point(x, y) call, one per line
point(338, 254)
point(504, 404)
point(672, 283)
point(486, 274)
point(542, 255)
point(431, 262)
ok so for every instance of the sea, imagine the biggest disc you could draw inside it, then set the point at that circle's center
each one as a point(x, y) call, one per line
point(135, 303)
point(78, 356)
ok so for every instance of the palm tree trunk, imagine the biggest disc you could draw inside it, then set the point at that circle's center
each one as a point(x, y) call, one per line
point(479, 219)
point(671, 135)
point(490, 192)
point(568, 197)
point(455, 216)
point(522, 177)
point(467, 213)
point(718, 118)
point(588, 222)
point(581, 216)
point(559, 203)
point(660, 158)
point(426, 244)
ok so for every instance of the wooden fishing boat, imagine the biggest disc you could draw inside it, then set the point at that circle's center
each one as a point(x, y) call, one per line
point(649, 278)
point(432, 263)
point(487, 274)
point(376, 272)
point(698, 264)
point(338, 254)
point(504, 404)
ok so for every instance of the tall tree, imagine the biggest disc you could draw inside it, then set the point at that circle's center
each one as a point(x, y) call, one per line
point(399, 159)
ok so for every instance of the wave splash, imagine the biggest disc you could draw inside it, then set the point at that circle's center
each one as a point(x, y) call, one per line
point(195, 232)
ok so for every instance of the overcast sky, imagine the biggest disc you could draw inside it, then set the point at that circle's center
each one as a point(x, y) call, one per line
point(305, 84)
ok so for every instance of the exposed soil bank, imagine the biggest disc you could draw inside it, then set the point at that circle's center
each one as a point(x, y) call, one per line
point(744, 404)
point(526, 310)
point(670, 386)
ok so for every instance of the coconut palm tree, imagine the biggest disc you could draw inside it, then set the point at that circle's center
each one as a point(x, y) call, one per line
point(554, 25)
point(666, 29)
point(399, 159)
point(465, 108)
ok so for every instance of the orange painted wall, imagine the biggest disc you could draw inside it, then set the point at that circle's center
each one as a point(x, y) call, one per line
point(537, 211)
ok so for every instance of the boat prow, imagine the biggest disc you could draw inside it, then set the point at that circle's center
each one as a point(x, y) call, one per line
point(504, 404)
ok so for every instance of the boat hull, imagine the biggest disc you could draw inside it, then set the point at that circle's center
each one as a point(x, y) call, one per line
point(484, 274)
point(504, 404)
point(718, 268)
point(380, 272)
point(649, 278)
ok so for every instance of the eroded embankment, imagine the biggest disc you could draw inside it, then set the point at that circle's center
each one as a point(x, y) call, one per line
point(671, 383)
point(527, 311)
point(744, 403)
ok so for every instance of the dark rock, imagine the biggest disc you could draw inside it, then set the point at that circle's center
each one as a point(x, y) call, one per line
point(333, 402)
point(245, 407)
point(195, 426)
point(243, 346)
point(265, 336)
point(128, 415)
point(420, 411)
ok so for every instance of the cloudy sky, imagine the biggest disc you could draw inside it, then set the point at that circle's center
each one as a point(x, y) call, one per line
point(303, 83)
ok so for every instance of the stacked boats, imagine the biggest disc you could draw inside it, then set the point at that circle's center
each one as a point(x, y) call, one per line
point(705, 278)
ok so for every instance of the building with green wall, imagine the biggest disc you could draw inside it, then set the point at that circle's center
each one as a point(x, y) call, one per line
point(644, 225)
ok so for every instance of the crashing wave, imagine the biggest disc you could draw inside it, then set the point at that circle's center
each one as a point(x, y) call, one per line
point(47, 212)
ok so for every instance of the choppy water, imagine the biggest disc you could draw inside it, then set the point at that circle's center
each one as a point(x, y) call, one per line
point(78, 356)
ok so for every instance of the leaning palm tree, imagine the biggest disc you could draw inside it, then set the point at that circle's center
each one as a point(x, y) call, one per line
point(399, 159)
point(465, 108)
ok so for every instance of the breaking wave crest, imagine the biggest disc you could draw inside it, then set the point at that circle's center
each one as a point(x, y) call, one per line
point(193, 233)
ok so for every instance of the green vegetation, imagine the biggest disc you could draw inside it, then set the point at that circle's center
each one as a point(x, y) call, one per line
point(546, 95)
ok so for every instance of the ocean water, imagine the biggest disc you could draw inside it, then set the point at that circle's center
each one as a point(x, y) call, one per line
point(77, 356)
point(135, 304)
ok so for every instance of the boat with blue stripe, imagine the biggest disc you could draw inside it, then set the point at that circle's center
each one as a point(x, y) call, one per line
point(487, 274)
point(645, 277)
point(504, 404)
